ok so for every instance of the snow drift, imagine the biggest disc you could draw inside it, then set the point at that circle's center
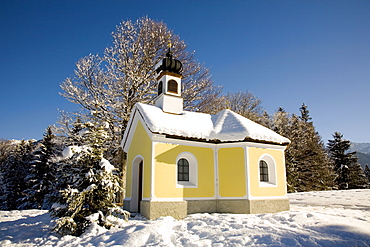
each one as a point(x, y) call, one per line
point(326, 218)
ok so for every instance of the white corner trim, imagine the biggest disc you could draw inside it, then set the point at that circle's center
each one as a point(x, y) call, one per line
point(135, 117)
point(247, 172)
point(152, 167)
point(216, 178)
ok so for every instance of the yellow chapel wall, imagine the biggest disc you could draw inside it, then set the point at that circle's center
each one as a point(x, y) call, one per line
point(231, 172)
point(166, 177)
point(140, 145)
point(256, 190)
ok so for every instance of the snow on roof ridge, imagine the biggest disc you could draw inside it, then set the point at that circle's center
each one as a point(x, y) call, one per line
point(229, 123)
point(223, 126)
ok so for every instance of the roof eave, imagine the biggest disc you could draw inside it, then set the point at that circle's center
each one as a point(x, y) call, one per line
point(217, 141)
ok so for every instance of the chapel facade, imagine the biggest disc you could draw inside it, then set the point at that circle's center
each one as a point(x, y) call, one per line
point(181, 162)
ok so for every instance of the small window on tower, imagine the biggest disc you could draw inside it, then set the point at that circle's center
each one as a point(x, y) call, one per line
point(160, 88)
point(172, 86)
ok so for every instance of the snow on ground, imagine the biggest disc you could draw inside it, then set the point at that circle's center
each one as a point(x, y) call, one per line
point(326, 218)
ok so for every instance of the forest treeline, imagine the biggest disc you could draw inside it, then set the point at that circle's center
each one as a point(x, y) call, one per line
point(79, 161)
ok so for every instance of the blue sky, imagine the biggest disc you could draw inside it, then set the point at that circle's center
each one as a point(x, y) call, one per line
point(284, 52)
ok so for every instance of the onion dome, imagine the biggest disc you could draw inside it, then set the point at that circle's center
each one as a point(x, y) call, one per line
point(170, 64)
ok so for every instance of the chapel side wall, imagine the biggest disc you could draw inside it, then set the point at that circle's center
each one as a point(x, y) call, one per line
point(140, 145)
point(256, 190)
point(231, 172)
point(166, 176)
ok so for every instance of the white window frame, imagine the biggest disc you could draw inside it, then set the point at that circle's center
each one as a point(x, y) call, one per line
point(193, 171)
point(271, 164)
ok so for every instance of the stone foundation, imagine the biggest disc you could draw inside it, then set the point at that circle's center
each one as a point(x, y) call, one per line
point(233, 206)
point(153, 210)
point(269, 206)
point(201, 206)
point(180, 209)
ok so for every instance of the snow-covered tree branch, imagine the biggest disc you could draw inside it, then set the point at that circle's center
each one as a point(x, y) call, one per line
point(107, 87)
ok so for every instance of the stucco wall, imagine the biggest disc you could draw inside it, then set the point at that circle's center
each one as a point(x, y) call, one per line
point(166, 175)
point(256, 190)
point(231, 172)
point(140, 145)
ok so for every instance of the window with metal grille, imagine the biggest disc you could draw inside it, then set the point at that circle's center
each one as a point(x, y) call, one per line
point(172, 86)
point(264, 171)
point(182, 170)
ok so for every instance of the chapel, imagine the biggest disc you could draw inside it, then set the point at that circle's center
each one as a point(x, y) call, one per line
point(181, 162)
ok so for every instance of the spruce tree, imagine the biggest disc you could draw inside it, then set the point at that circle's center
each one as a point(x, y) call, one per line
point(357, 177)
point(307, 164)
point(41, 177)
point(349, 174)
point(17, 168)
point(315, 169)
point(282, 125)
point(367, 174)
point(87, 181)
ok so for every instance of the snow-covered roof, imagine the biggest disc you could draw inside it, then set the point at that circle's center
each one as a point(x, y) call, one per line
point(226, 126)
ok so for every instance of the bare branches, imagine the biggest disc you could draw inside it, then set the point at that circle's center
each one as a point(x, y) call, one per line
point(108, 87)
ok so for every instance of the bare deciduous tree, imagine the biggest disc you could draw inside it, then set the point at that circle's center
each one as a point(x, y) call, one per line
point(107, 87)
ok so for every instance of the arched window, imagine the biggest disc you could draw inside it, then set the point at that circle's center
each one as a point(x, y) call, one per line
point(186, 171)
point(267, 171)
point(183, 170)
point(160, 88)
point(264, 171)
point(172, 86)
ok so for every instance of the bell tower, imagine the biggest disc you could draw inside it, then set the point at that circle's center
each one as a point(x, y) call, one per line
point(169, 84)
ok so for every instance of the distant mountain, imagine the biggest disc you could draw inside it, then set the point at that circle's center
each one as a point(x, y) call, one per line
point(363, 159)
point(362, 152)
point(360, 147)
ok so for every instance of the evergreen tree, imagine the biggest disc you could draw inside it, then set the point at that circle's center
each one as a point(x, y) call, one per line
point(307, 164)
point(345, 163)
point(282, 125)
point(357, 177)
point(17, 167)
point(87, 182)
point(41, 176)
point(305, 117)
point(367, 173)
point(266, 120)
point(5, 152)
point(315, 168)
